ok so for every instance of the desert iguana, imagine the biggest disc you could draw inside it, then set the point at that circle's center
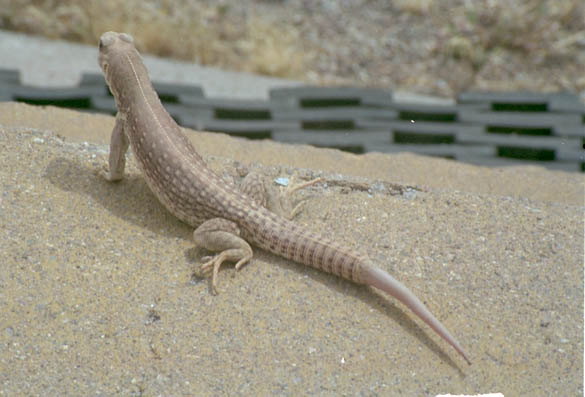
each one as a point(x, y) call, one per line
point(226, 219)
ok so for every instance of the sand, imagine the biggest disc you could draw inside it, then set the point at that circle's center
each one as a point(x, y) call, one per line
point(97, 293)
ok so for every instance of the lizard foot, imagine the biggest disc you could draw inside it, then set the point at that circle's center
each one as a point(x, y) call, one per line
point(107, 175)
point(223, 236)
point(211, 266)
point(285, 199)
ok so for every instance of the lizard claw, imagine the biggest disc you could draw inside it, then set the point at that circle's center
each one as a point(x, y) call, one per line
point(212, 265)
point(291, 188)
point(107, 175)
point(104, 172)
point(286, 198)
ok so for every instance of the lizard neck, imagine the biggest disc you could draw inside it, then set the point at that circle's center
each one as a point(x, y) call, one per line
point(130, 84)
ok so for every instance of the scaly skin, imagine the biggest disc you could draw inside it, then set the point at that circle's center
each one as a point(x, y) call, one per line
point(226, 219)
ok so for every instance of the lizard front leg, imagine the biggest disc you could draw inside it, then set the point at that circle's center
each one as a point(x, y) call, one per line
point(118, 148)
point(223, 236)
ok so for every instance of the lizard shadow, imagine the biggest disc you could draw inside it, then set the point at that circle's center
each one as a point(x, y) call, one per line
point(129, 199)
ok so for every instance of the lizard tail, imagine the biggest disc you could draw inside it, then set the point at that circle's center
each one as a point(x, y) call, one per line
point(375, 277)
point(331, 257)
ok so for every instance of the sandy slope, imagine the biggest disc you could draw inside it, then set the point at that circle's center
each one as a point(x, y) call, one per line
point(97, 294)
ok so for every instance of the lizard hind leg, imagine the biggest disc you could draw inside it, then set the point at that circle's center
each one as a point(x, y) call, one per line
point(223, 236)
point(286, 197)
point(278, 201)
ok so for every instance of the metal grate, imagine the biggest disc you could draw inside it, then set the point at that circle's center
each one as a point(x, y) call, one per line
point(484, 128)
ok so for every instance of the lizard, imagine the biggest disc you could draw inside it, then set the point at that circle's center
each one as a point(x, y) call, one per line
point(226, 219)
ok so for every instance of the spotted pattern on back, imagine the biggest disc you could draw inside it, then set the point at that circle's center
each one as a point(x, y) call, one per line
point(190, 190)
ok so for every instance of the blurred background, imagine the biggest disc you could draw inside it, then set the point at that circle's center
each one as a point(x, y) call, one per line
point(425, 46)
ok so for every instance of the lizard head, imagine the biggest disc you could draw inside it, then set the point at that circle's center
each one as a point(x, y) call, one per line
point(118, 58)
